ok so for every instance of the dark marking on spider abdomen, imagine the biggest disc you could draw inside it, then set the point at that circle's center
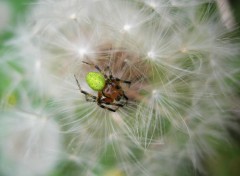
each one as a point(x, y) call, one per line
point(113, 90)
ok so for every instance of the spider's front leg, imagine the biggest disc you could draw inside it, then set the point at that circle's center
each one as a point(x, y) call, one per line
point(123, 81)
point(97, 67)
point(109, 72)
point(88, 96)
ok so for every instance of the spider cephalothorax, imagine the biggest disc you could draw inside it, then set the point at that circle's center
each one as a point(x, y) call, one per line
point(110, 92)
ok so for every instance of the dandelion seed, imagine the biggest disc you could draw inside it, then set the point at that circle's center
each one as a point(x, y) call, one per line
point(184, 50)
point(151, 54)
point(35, 141)
point(38, 65)
point(154, 92)
point(127, 27)
point(73, 16)
point(82, 51)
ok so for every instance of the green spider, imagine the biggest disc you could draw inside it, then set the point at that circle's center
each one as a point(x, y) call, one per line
point(108, 87)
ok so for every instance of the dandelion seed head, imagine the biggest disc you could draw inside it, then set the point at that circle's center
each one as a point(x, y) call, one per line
point(177, 63)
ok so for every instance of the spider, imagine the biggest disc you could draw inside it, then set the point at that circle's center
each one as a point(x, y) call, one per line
point(108, 87)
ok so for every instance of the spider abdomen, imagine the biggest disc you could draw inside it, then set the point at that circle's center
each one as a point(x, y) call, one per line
point(96, 81)
point(112, 90)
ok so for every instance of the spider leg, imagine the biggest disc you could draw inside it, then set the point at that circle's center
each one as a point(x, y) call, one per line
point(105, 76)
point(123, 81)
point(105, 107)
point(109, 101)
point(126, 98)
point(88, 96)
point(109, 72)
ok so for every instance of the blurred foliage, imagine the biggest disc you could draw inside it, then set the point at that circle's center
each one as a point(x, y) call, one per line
point(236, 9)
point(18, 8)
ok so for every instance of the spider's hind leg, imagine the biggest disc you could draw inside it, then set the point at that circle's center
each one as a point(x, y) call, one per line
point(105, 107)
point(88, 96)
point(108, 101)
point(126, 98)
